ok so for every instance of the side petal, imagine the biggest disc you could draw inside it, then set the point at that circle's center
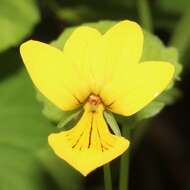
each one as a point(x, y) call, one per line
point(51, 73)
point(89, 144)
point(137, 87)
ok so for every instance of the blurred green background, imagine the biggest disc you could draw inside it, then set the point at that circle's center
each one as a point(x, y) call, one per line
point(160, 157)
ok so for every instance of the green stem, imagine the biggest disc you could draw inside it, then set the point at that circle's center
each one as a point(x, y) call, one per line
point(107, 177)
point(145, 14)
point(181, 36)
point(124, 163)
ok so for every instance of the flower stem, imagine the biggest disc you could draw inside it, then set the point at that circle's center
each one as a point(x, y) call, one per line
point(107, 177)
point(181, 36)
point(145, 14)
point(124, 162)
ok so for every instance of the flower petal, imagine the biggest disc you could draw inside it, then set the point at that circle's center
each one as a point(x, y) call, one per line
point(80, 49)
point(136, 87)
point(80, 41)
point(52, 74)
point(120, 47)
point(124, 42)
point(89, 144)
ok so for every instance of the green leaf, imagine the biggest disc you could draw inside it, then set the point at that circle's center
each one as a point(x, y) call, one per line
point(20, 114)
point(167, 98)
point(67, 119)
point(17, 19)
point(23, 134)
point(20, 169)
point(112, 123)
point(60, 171)
point(151, 110)
point(52, 112)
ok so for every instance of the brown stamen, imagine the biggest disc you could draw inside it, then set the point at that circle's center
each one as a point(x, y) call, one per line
point(94, 100)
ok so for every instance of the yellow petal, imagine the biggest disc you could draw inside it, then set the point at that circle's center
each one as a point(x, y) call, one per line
point(124, 42)
point(89, 144)
point(53, 75)
point(80, 42)
point(120, 47)
point(136, 87)
point(80, 49)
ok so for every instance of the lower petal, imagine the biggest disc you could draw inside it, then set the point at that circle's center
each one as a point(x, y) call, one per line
point(89, 144)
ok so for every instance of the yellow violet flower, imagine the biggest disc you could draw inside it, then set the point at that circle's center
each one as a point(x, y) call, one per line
point(98, 72)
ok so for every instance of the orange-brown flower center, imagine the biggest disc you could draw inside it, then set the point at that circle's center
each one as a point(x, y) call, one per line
point(94, 102)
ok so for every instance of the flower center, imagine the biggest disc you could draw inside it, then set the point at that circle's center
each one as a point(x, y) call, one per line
point(94, 101)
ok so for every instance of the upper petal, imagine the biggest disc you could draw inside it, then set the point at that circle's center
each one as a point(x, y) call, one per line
point(119, 48)
point(136, 87)
point(123, 44)
point(81, 50)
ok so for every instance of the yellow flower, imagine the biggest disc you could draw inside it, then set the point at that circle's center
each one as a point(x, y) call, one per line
point(98, 72)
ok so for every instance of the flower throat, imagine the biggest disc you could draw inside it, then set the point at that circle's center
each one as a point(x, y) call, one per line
point(94, 101)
